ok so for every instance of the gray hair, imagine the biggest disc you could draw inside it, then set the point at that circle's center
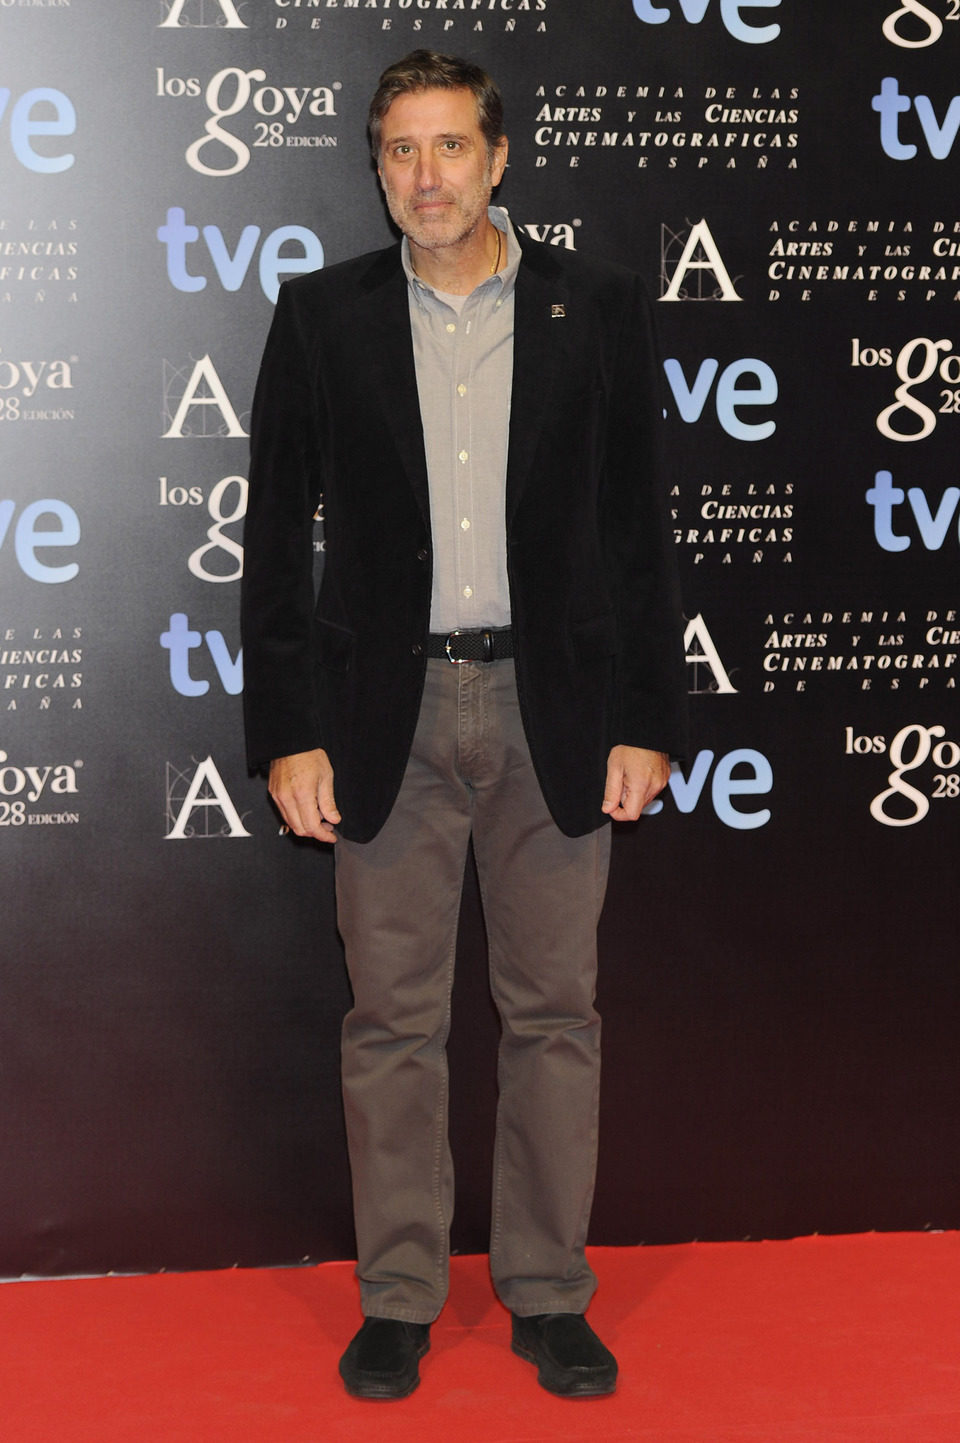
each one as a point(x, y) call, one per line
point(429, 70)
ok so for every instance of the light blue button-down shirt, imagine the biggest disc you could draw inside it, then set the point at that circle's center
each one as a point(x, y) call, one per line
point(463, 349)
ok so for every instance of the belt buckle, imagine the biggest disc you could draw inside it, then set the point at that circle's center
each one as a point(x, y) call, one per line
point(455, 660)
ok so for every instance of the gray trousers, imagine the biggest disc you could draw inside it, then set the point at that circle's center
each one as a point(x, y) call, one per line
point(398, 900)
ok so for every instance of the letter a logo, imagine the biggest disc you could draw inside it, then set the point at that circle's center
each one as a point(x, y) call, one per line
point(709, 259)
point(226, 11)
point(204, 372)
point(206, 793)
point(705, 656)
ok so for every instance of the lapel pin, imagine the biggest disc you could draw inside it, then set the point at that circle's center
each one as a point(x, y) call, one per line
point(557, 313)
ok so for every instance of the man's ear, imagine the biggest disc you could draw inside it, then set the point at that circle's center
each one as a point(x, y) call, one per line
point(500, 159)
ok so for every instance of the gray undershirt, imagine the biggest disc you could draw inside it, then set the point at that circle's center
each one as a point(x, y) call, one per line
point(463, 350)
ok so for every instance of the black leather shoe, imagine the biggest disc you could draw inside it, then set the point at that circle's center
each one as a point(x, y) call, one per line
point(381, 1361)
point(570, 1358)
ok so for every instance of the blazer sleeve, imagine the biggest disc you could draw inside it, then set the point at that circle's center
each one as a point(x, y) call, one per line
point(277, 590)
point(651, 696)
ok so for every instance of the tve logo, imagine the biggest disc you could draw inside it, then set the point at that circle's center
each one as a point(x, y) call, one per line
point(39, 112)
point(694, 11)
point(756, 779)
point(883, 496)
point(180, 640)
point(29, 537)
point(231, 268)
point(890, 105)
point(730, 395)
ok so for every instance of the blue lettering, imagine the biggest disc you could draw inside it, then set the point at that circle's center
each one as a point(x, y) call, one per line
point(232, 269)
point(694, 11)
point(939, 138)
point(890, 105)
point(176, 236)
point(273, 265)
point(180, 640)
point(933, 529)
point(725, 786)
point(24, 126)
point(28, 538)
point(730, 395)
point(691, 400)
point(229, 668)
point(749, 34)
point(883, 496)
point(687, 791)
point(650, 14)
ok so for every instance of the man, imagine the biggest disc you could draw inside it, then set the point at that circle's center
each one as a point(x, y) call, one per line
point(494, 652)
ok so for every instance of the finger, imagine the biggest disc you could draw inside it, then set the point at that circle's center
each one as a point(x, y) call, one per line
point(631, 804)
point(613, 793)
point(315, 822)
point(302, 815)
point(326, 801)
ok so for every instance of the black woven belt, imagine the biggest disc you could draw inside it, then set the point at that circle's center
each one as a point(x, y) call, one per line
point(491, 644)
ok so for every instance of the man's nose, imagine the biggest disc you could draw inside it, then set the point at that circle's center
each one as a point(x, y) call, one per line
point(428, 175)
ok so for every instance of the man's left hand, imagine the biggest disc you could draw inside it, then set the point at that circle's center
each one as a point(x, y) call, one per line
point(634, 777)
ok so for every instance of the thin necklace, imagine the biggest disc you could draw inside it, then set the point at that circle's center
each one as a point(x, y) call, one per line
point(493, 269)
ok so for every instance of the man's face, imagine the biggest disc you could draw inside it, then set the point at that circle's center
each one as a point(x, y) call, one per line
point(434, 166)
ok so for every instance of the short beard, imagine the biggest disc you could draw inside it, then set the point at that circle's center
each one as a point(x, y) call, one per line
point(429, 241)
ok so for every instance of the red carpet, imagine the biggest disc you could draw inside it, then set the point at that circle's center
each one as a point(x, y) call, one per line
point(824, 1340)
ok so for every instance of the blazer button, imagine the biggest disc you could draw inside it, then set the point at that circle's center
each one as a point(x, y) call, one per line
point(422, 554)
point(417, 648)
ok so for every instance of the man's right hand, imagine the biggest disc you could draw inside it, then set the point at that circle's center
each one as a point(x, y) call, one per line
point(302, 787)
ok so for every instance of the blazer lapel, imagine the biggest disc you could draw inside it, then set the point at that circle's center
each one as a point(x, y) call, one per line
point(540, 346)
point(540, 350)
point(384, 336)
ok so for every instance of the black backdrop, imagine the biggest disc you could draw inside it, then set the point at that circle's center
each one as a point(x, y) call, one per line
point(779, 964)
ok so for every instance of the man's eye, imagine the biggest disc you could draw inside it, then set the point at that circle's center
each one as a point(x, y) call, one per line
point(451, 145)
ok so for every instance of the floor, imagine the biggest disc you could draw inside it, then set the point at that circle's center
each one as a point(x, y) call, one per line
point(817, 1340)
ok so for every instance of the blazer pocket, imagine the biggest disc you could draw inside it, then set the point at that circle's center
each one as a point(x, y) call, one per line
point(334, 645)
point(595, 638)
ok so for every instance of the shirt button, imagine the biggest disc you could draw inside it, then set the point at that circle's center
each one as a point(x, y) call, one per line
point(422, 554)
point(468, 591)
point(465, 524)
point(464, 455)
point(461, 389)
point(417, 648)
point(451, 327)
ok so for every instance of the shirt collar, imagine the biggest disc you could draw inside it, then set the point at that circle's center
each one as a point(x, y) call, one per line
point(504, 280)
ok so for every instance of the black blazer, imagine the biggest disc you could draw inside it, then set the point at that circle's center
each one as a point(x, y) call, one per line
point(591, 565)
